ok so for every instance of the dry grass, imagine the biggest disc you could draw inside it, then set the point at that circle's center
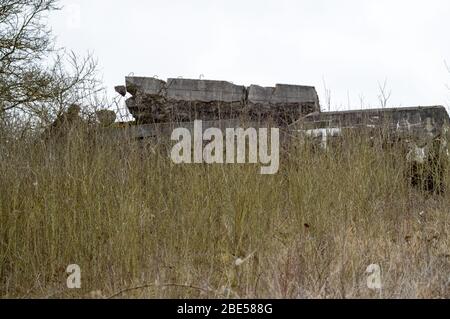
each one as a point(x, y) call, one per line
point(130, 218)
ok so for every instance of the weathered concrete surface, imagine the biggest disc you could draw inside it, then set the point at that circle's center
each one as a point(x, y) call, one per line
point(282, 93)
point(185, 100)
point(204, 91)
point(148, 98)
point(259, 94)
point(285, 103)
point(420, 134)
point(144, 85)
point(425, 123)
point(417, 127)
point(285, 93)
point(422, 120)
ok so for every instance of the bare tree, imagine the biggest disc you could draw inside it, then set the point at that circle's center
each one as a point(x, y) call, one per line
point(384, 95)
point(24, 43)
point(38, 80)
point(73, 81)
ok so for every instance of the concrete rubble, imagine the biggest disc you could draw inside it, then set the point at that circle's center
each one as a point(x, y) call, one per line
point(159, 106)
point(184, 100)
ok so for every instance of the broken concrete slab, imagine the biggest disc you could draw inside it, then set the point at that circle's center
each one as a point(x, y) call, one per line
point(204, 91)
point(416, 126)
point(283, 93)
point(259, 94)
point(282, 103)
point(429, 119)
point(179, 100)
point(145, 85)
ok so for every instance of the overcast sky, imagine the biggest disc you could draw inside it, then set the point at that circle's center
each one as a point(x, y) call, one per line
point(350, 45)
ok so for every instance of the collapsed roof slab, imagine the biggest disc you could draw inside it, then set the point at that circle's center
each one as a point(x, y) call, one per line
point(283, 94)
point(204, 91)
point(260, 95)
point(154, 100)
point(144, 85)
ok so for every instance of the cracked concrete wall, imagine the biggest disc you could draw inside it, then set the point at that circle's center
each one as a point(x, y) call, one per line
point(282, 93)
point(182, 100)
point(204, 91)
point(287, 102)
point(417, 126)
point(431, 119)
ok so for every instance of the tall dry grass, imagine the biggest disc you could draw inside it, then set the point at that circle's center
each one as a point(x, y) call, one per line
point(132, 219)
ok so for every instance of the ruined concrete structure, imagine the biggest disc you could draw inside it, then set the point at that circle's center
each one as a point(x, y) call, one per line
point(420, 123)
point(430, 118)
point(416, 126)
point(184, 100)
point(160, 106)
point(418, 133)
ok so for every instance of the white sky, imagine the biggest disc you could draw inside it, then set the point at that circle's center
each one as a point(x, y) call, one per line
point(352, 45)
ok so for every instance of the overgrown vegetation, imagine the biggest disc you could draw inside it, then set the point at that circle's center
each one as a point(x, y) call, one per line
point(38, 80)
point(140, 226)
point(130, 218)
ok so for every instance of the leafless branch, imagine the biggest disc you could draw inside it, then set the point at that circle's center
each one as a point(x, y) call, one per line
point(384, 95)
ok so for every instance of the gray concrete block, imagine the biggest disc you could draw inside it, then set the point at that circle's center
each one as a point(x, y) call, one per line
point(260, 95)
point(421, 120)
point(285, 93)
point(154, 100)
point(145, 85)
point(204, 91)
